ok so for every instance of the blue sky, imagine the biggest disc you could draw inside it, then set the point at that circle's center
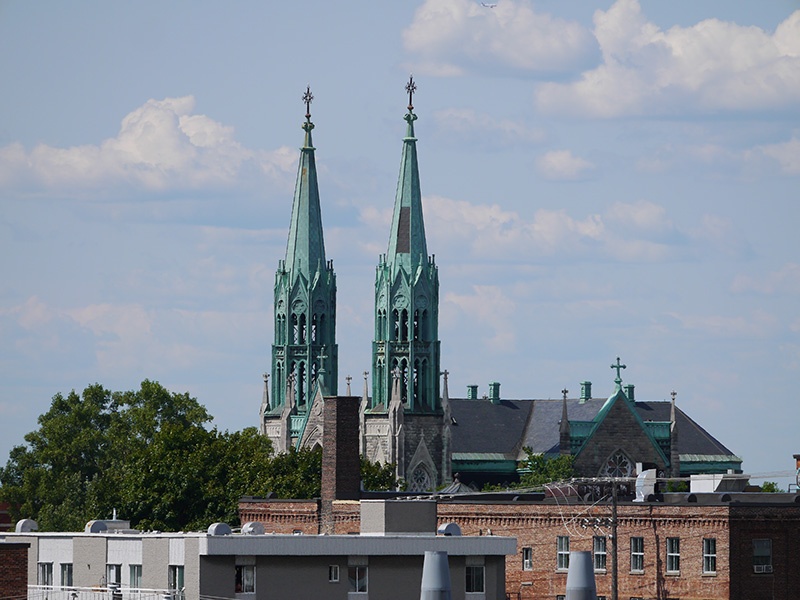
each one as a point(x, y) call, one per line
point(599, 179)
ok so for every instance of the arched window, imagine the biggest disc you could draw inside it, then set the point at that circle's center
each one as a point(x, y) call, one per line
point(295, 329)
point(395, 324)
point(301, 383)
point(404, 325)
point(421, 480)
point(416, 328)
point(301, 328)
point(617, 465)
point(314, 324)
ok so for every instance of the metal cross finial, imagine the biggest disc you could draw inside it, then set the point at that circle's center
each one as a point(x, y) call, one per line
point(348, 379)
point(322, 357)
point(266, 377)
point(307, 98)
point(445, 373)
point(618, 367)
point(366, 374)
point(411, 87)
point(673, 394)
point(564, 392)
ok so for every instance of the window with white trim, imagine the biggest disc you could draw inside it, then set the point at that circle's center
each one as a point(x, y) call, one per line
point(245, 579)
point(562, 552)
point(333, 573)
point(709, 555)
point(637, 554)
point(66, 574)
point(599, 552)
point(358, 577)
point(762, 555)
point(45, 574)
point(527, 559)
point(135, 572)
point(673, 555)
point(475, 579)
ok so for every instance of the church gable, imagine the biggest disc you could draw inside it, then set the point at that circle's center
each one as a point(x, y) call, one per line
point(619, 440)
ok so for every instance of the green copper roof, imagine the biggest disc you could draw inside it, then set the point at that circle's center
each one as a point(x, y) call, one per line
point(305, 250)
point(407, 245)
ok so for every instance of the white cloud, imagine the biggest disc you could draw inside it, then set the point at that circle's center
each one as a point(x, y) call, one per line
point(160, 145)
point(493, 309)
point(562, 165)
point(451, 37)
point(786, 153)
point(709, 67)
point(464, 124)
point(758, 325)
point(785, 280)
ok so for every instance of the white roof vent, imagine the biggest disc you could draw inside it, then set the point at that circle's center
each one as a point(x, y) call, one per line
point(219, 529)
point(95, 527)
point(253, 528)
point(449, 529)
point(26, 526)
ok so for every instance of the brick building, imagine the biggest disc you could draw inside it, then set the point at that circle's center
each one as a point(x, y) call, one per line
point(710, 546)
point(13, 570)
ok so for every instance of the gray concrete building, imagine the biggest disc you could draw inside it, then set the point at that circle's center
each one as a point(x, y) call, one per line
point(384, 561)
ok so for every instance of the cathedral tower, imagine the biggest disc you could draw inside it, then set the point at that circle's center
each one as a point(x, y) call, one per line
point(403, 421)
point(304, 352)
point(406, 344)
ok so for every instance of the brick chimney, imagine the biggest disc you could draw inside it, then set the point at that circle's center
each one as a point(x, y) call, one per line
point(341, 463)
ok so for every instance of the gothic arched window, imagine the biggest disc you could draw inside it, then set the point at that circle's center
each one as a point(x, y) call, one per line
point(617, 465)
point(421, 480)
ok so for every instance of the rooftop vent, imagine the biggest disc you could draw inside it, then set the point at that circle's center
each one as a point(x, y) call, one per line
point(26, 526)
point(629, 391)
point(472, 392)
point(449, 529)
point(219, 529)
point(253, 528)
point(95, 527)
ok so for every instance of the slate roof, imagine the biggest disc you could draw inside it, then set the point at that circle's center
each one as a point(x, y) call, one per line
point(481, 427)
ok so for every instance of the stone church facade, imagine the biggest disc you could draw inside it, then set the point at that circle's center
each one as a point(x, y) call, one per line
point(406, 415)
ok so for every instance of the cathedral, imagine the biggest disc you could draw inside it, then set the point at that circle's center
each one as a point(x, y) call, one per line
point(406, 416)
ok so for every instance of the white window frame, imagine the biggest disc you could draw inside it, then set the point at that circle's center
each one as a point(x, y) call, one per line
point(356, 575)
point(44, 574)
point(66, 575)
point(673, 555)
point(637, 554)
point(333, 573)
point(245, 579)
point(135, 576)
point(709, 555)
point(527, 559)
point(762, 555)
point(176, 581)
point(562, 553)
point(475, 579)
point(599, 553)
point(113, 574)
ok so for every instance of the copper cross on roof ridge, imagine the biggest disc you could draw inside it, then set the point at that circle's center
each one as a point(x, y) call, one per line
point(618, 367)
point(565, 391)
point(307, 98)
point(411, 87)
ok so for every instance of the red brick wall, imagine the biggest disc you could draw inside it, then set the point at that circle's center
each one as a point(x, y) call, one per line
point(13, 570)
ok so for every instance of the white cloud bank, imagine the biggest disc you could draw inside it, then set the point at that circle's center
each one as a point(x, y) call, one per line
point(451, 37)
point(713, 66)
point(161, 145)
point(562, 165)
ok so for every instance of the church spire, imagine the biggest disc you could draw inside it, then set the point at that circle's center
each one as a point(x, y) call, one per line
point(305, 250)
point(406, 343)
point(407, 244)
point(304, 353)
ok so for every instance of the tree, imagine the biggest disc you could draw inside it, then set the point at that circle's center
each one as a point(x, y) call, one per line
point(538, 470)
point(148, 454)
point(771, 487)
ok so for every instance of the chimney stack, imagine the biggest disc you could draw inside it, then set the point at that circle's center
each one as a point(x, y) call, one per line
point(341, 463)
point(472, 392)
point(494, 392)
point(586, 391)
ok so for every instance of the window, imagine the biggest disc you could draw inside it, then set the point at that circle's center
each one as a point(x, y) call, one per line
point(527, 559)
point(475, 577)
point(245, 579)
point(113, 575)
point(66, 574)
point(358, 578)
point(673, 555)
point(599, 552)
point(562, 552)
point(762, 556)
point(175, 581)
point(637, 554)
point(45, 574)
point(136, 576)
point(333, 573)
point(709, 555)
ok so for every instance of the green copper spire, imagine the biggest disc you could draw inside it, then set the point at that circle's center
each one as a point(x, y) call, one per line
point(407, 244)
point(406, 345)
point(304, 352)
point(305, 252)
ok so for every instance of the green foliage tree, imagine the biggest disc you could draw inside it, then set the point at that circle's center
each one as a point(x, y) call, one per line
point(148, 454)
point(537, 469)
point(771, 487)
